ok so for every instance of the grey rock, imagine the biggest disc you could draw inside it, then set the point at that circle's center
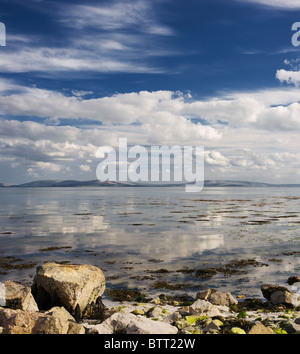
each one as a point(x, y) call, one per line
point(285, 297)
point(128, 323)
point(204, 294)
point(222, 299)
point(204, 308)
point(268, 289)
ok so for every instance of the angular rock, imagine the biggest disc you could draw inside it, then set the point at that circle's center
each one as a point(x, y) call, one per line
point(204, 294)
point(67, 321)
point(291, 327)
point(19, 297)
point(78, 288)
point(29, 322)
point(268, 289)
point(204, 308)
point(128, 323)
point(173, 317)
point(285, 297)
point(222, 299)
point(142, 325)
point(259, 328)
point(75, 328)
point(211, 326)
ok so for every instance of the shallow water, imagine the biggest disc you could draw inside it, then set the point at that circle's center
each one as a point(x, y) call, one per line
point(155, 239)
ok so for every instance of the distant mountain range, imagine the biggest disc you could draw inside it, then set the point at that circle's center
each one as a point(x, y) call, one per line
point(96, 183)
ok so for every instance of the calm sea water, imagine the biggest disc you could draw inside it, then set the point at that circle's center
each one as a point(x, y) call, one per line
point(156, 239)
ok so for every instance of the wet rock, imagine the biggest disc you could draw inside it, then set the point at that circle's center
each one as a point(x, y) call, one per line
point(259, 328)
point(268, 289)
point(294, 279)
point(78, 288)
point(19, 297)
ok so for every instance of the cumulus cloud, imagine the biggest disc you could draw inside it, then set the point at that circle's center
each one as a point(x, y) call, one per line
point(253, 121)
point(290, 77)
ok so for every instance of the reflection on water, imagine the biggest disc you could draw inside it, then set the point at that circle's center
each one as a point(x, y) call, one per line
point(135, 233)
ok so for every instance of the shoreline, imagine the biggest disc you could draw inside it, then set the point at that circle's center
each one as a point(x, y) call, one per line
point(209, 311)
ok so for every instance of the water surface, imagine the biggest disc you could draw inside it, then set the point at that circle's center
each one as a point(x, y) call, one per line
point(155, 239)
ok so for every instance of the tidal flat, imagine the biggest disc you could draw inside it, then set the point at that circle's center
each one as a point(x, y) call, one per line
point(155, 240)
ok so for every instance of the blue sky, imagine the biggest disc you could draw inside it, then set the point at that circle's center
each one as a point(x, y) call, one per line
point(220, 74)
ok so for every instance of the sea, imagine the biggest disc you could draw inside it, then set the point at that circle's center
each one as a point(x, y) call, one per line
point(157, 240)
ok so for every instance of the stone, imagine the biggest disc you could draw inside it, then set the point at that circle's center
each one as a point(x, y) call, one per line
point(285, 297)
point(237, 330)
point(142, 325)
point(294, 279)
point(155, 312)
point(259, 328)
point(268, 289)
point(67, 320)
point(173, 317)
point(297, 320)
point(204, 294)
point(291, 327)
point(19, 297)
point(75, 328)
point(204, 308)
point(29, 322)
point(128, 323)
point(138, 312)
point(211, 326)
point(222, 299)
point(78, 288)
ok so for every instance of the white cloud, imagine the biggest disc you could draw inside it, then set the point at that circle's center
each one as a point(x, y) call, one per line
point(215, 158)
point(138, 15)
point(85, 168)
point(290, 77)
point(252, 124)
point(286, 4)
point(114, 37)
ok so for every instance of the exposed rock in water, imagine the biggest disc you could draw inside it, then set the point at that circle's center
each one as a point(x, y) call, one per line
point(268, 289)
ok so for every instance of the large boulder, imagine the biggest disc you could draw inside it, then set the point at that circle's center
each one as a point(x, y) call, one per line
point(19, 297)
point(78, 288)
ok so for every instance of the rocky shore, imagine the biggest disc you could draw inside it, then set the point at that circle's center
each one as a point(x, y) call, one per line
point(68, 299)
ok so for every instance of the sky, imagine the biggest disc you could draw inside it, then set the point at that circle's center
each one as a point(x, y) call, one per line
point(75, 76)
